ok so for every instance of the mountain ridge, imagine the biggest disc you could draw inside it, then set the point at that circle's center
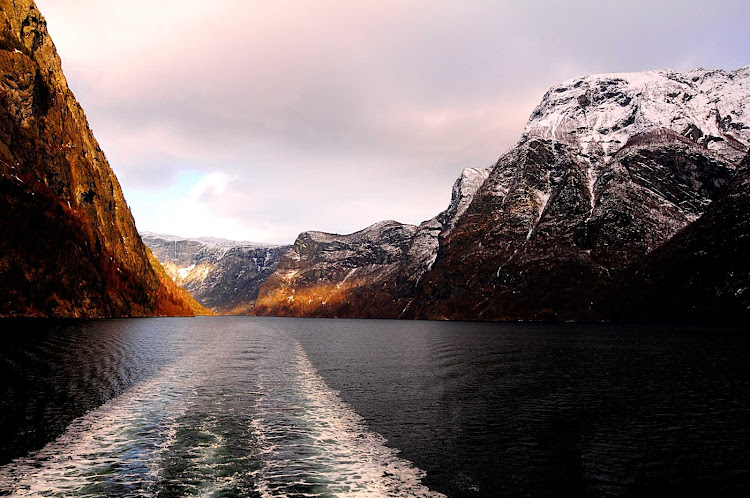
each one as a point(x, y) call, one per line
point(608, 169)
point(369, 273)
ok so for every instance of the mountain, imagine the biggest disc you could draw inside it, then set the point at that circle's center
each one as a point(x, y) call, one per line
point(609, 169)
point(599, 114)
point(370, 273)
point(69, 246)
point(223, 275)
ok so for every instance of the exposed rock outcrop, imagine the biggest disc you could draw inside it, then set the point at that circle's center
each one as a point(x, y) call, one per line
point(69, 246)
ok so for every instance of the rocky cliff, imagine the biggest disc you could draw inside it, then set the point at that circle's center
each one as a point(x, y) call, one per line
point(69, 246)
point(225, 276)
point(608, 170)
point(542, 240)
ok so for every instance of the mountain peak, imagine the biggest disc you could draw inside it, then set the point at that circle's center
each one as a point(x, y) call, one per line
point(464, 188)
point(600, 113)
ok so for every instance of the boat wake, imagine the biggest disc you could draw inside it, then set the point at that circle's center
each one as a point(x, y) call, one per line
point(246, 414)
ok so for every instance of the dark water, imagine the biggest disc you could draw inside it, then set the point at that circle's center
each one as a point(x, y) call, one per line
point(285, 407)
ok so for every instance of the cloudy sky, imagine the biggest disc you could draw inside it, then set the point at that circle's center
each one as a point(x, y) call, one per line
point(259, 119)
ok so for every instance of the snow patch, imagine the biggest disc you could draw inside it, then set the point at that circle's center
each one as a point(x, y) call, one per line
point(185, 271)
point(542, 199)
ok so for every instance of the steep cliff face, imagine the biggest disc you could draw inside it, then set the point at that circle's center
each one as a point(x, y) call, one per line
point(371, 273)
point(542, 240)
point(69, 244)
point(225, 276)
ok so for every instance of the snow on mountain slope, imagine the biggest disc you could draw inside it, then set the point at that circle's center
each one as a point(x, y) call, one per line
point(209, 241)
point(424, 247)
point(600, 113)
point(463, 193)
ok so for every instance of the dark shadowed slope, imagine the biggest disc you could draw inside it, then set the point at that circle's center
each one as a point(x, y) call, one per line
point(703, 272)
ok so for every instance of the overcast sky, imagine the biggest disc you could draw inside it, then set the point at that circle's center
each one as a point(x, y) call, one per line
point(259, 119)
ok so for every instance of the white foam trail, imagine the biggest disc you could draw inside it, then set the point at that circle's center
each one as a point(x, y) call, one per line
point(257, 418)
point(115, 447)
point(318, 435)
point(119, 440)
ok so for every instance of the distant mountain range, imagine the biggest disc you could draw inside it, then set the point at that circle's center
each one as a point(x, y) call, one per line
point(626, 198)
point(371, 273)
point(223, 275)
point(382, 264)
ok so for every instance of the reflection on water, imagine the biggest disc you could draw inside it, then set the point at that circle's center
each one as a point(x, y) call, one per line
point(285, 407)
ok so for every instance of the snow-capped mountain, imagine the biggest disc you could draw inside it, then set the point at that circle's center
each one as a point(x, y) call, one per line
point(609, 168)
point(223, 275)
point(600, 114)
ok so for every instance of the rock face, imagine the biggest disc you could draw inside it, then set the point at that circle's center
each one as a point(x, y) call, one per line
point(371, 273)
point(703, 272)
point(542, 240)
point(69, 246)
point(608, 170)
point(225, 276)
